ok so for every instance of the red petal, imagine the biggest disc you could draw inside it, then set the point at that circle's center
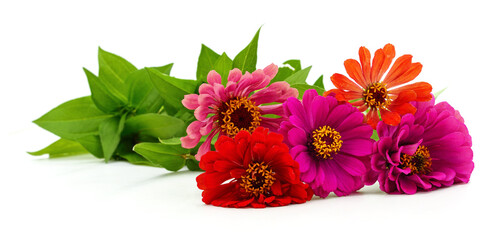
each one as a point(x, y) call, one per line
point(372, 118)
point(343, 83)
point(405, 97)
point(354, 70)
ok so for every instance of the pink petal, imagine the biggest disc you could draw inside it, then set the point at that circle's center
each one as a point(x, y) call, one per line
point(213, 77)
point(190, 101)
point(271, 71)
point(234, 75)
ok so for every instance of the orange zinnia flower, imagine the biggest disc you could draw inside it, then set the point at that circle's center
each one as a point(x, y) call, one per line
point(385, 98)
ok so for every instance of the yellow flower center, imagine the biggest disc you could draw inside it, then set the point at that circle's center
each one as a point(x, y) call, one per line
point(376, 96)
point(238, 114)
point(420, 162)
point(326, 142)
point(258, 179)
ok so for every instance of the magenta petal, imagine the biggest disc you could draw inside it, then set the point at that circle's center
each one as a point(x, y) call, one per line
point(304, 161)
point(350, 164)
point(357, 147)
point(407, 186)
point(297, 137)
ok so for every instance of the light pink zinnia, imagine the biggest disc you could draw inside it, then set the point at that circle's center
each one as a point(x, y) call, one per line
point(240, 105)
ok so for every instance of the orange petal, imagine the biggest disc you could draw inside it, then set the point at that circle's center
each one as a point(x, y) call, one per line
point(362, 108)
point(390, 118)
point(343, 83)
point(422, 90)
point(389, 51)
point(400, 66)
point(372, 118)
point(365, 57)
point(408, 76)
point(353, 68)
point(403, 109)
point(405, 97)
point(377, 65)
point(357, 103)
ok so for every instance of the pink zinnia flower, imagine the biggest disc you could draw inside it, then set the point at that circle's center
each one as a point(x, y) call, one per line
point(330, 141)
point(240, 105)
point(427, 150)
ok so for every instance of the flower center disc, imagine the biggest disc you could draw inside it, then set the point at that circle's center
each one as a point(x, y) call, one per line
point(238, 114)
point(376, 96)
point(419, 163)
point(258, 179)
point(326, 142)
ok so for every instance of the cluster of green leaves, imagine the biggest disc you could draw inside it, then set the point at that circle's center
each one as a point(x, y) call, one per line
point(137, 114)
point(126, 107)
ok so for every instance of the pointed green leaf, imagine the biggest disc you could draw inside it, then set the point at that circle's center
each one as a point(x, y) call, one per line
point(105, 96)
point(171, 157)
point(61, 148)
point(222, 66)
point(298, 77)
point(301, 88)
point(165, 69)
point(282, 74)
point(295, 64)
point(154, 126)
point(319, 82)
point(114, 70)
point(92, 143)
point(142, 94)
point(171, 89)
point(73, 119)
point(110, 131)
point(206, 62)
point(246, 59)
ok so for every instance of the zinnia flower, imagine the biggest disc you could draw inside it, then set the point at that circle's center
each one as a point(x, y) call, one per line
point(330, 142)
point(428, 150)
point(226, 110)
point(387, 97)
point(251, 171)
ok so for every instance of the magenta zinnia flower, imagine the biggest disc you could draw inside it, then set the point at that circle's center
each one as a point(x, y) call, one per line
point(428, 150)
point(330, 142)
point(240, 105)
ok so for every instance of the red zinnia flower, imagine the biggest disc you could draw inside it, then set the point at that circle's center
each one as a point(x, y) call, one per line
point(251, 171)
point(385, 97)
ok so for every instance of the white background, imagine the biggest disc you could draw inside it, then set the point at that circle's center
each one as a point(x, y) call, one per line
point(45, 44)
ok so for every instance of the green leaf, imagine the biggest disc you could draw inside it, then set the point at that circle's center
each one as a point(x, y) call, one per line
point(73, 119)
point(206, 62)
point(193, 165)
point(105, 96)
point(439, 92)
point(319, 82)
point(171, 157)
point(114, 70)
point(301, 88)
point(222, 66)
point(246, 59)
point(295, 64)
point(375, 135)
point(165, 69)
point(61, 148)
point(299, 77)
point(282, 74)
point(154, 126)
point(142, 94)
point(171, 89)
point(92, 143)
point(110, 131)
